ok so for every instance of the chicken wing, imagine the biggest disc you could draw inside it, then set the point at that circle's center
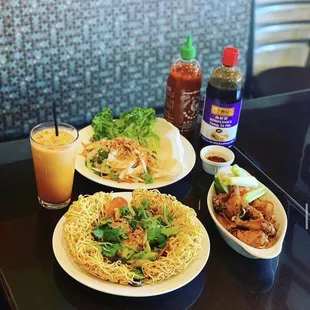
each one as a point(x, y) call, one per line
point(265, 207)
point(219, 202)
point(260, 224)
point(224, 221)
point(234, 204)
point(253, 213)
point(256, 238)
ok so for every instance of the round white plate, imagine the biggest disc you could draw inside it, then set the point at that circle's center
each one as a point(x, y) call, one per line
point(189, 162)
point(67, 263)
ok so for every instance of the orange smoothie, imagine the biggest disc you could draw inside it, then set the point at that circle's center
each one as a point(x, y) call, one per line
point(54, 163)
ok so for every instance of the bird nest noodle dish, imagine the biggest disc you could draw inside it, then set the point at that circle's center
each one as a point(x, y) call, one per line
point(143, 241)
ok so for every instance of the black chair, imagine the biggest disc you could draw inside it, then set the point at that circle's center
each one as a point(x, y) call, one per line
point(286, 34)
point(280, 80)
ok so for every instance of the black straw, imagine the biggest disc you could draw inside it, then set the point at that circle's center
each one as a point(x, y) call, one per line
point(55, 119)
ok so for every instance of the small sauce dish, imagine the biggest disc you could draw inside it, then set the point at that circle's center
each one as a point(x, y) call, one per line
point(215, 157)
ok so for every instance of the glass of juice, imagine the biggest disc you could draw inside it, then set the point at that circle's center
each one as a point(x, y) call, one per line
point(54, 163)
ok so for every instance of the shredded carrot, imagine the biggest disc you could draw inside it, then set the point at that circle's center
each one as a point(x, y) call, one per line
point(84, 153)
point(149, 162)
point(127, 180)
point(243, 191)
point(163, 251)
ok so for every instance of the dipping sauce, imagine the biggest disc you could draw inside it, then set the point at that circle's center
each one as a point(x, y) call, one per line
point(216, 159)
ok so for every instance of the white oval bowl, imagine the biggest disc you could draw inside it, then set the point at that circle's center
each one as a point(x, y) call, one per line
point(241, 247)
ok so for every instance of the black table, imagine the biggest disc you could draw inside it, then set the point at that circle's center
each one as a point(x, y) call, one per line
point(32, 279)
point(274, 133)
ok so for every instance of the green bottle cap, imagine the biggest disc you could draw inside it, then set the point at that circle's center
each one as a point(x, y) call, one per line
point(188, 51)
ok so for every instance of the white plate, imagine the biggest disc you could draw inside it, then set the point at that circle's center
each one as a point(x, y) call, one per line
point(67, 263)
point(189, 162)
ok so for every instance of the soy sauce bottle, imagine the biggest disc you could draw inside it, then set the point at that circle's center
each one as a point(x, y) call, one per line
point(223, 102)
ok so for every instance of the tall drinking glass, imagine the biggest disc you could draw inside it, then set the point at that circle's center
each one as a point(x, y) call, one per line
point(54, 163)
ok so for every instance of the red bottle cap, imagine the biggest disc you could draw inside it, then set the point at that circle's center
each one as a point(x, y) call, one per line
point(230, 56)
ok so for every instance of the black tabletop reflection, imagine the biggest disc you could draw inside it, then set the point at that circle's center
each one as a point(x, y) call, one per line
point(82, 297)
point(32, 279)
point(275, 133)
point(228, 281)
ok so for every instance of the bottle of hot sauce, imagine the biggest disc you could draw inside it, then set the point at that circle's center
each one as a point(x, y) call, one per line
point(183, 90)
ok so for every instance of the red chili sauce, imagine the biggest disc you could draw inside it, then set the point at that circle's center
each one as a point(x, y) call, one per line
point(216, 159)
point(182, 110)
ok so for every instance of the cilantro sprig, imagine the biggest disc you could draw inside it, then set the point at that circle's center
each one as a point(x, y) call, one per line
point(158, 228)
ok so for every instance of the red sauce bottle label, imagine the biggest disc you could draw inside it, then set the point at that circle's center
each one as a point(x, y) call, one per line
point(182, 97)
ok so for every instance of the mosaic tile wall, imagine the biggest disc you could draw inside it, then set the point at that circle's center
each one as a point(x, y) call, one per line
point(90, 54)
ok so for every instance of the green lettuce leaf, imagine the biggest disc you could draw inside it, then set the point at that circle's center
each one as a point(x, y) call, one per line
point(103, 125)
point(137, 125)
point(151, 141)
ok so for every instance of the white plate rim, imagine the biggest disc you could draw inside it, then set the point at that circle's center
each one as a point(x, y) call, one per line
point(71, 268)
point(189, 163)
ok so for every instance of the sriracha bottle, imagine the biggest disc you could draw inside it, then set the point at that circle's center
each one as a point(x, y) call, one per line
point(183, 90)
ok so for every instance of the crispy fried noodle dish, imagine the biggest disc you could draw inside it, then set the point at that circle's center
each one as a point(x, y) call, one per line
point(142, 241)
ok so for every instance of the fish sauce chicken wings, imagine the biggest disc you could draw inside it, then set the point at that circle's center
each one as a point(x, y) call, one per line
point(243, 211)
